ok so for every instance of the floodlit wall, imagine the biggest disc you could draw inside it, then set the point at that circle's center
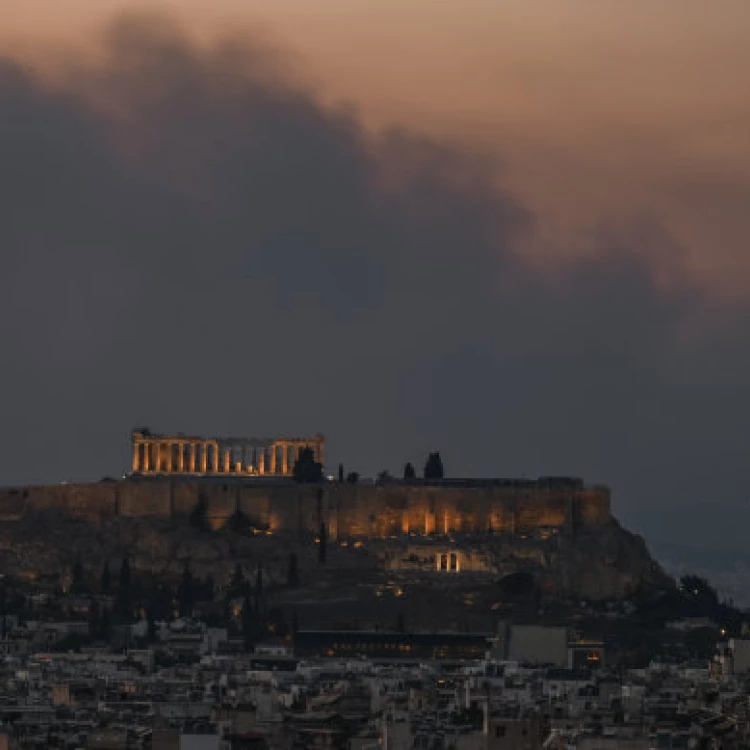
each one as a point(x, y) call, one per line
point(346, 509)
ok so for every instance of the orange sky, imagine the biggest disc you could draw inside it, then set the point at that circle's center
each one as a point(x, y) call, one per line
point(601, 112)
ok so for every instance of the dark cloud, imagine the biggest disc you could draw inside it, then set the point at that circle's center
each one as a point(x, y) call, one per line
point(193, 242)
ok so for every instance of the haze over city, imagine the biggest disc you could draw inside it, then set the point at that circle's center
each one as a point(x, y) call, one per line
point(518, 237)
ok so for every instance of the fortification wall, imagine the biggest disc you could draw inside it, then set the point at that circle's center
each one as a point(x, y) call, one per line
point(348, 509)
point(144, 499)
point(91, 501)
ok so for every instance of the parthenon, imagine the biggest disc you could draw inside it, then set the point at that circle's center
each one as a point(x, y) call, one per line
point(183, 454)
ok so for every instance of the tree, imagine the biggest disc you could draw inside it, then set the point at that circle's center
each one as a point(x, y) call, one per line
point(125, 574)
point(209, 588)
point(250, 623)
point(322, 547)
point(701, 643)
point(341, 472)
point(186, 592)
point(306, 469)
point(292, 577)
point(199, 515)
point(352, 477)
point(78, 585)
point(106, 582)
point(517, 585)
point(259, 581)
point(161, 603)
point(238, 521)
point(384, 476)
point(3, 610)
point(699, 590)
point(433, 469)
point(237, 582)
point(103, 628)
point(124, 588)
point(409, 472)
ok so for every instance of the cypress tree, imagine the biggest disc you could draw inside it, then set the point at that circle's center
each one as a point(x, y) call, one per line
point(322, 547)
point(78, 585)
point(106, 582)
point(292, 578)
point(259, 581)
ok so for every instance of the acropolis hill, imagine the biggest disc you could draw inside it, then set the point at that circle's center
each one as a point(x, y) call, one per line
point(462, 525)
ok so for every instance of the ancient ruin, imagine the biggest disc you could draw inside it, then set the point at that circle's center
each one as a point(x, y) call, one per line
point(193, 455)
point(253, 478)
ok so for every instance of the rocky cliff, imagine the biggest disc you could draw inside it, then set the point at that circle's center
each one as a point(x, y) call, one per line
point(600, 563)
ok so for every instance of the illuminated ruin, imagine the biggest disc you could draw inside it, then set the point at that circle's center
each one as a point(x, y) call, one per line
point(194, 455)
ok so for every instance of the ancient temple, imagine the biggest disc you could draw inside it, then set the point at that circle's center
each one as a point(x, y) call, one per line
point(156, 454)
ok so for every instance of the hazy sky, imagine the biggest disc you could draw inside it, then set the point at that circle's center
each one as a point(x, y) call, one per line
point(515, 232)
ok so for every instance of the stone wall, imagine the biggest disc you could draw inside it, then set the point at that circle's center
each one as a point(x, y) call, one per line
point(348, 509)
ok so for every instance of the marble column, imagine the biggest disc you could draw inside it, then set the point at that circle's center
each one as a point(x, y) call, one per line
point(262, 461)
point(227, 460)
point(273, 458)
point(204, 456)
point(192, 447)
point(136, 457)
point(181, 457)
point(284, 458)
point(216, 456)
point(146, 456)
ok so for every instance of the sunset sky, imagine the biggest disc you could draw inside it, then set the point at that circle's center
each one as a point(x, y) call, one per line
point(516, 232)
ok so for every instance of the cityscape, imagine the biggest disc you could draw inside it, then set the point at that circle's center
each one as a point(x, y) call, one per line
point(374, 375)
point(223, 606)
